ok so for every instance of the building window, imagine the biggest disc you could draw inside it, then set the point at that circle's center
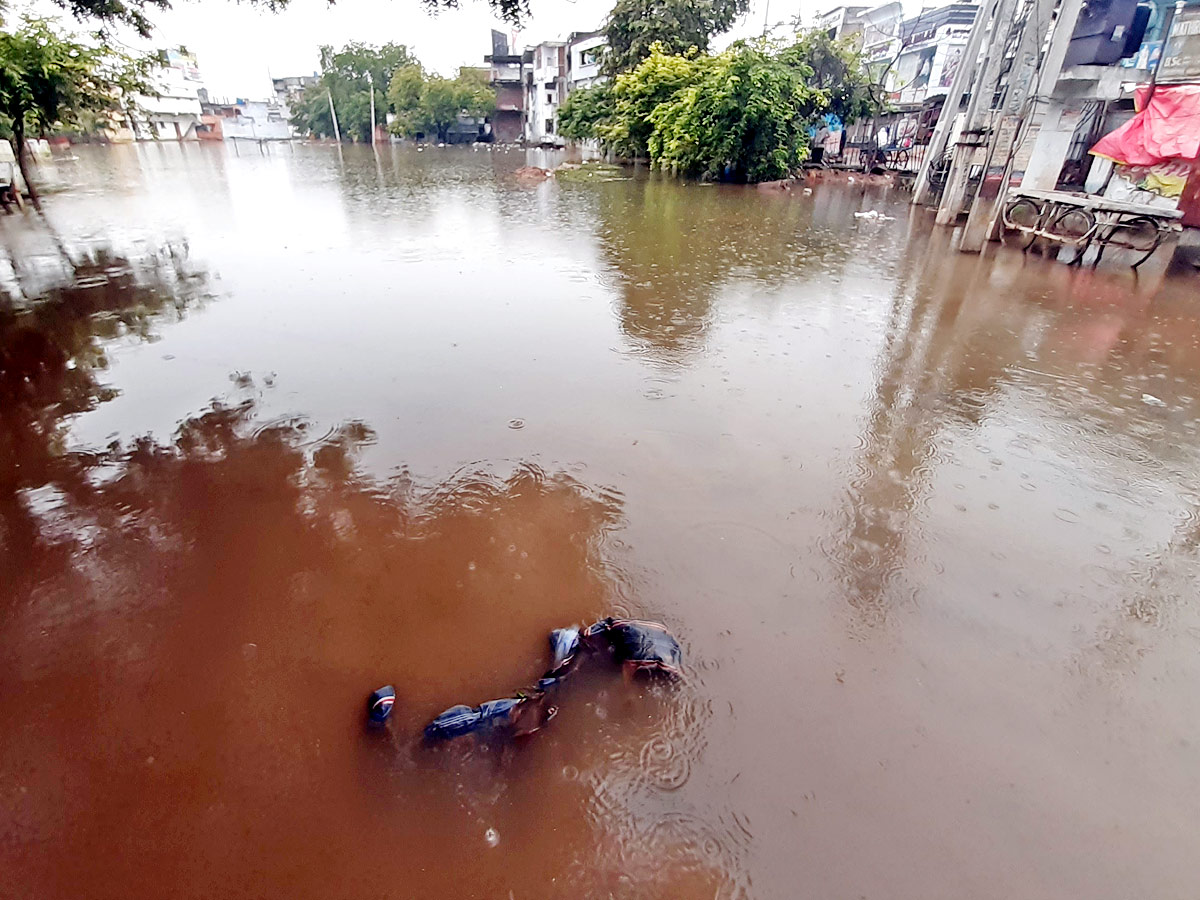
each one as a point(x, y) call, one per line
point(549, 126)
point(590, 56)
point(549, 98)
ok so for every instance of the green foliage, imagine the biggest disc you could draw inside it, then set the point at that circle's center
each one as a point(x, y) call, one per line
point(134, 12)
point(742, 115)
point(49, 79)
point(116, 12)
point(585, 110)
point(635, 26)
point(638, 93)
point(349, 75)
point(744, 119)
point(838, 70)
point(431, 104)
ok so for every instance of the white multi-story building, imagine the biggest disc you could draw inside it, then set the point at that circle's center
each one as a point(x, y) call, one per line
point(257, 120)
point(545, 90)
point(841, 21)
point(879, 37)
point(174, 114)
point(584, 52)
point(931, 49)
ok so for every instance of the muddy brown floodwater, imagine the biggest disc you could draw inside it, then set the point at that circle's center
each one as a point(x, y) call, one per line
point(278, 428)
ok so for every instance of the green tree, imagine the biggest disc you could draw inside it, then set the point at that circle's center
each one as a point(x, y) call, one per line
point(744, 119)
point(836, 69)
point(586, 110)
point(431, 104)
point(134, 12)
point(634, 26)
point(638, 93)
point(349, 75)
point(49, 79)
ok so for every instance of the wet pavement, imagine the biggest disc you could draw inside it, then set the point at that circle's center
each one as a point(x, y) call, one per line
point(278, 428)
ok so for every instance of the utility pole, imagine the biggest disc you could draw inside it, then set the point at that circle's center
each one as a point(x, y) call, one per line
point(371, 90)
point(333, 112)
point(1008, 122)
point(958, 86)
point(983, 91)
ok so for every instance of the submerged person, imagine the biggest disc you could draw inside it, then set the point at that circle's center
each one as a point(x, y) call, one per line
point(511, 716)
point(564, 648)
point(639, 646)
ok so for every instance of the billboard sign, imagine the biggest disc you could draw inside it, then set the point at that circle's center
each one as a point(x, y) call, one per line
point(1181, 55)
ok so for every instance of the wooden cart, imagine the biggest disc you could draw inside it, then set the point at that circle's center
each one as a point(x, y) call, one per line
point(1084, 220)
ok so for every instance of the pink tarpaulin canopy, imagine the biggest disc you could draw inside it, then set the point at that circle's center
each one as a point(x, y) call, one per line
point(1166, 129)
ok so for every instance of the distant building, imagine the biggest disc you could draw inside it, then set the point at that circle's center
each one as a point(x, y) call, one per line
point(288, 91)
point(173, 115)
point(584, 52)
point(255, 120)
point(289, 88)
point(507, 78)
point(879, 38)
point(841, 21)
point(931, 49)
point(532, 86)
point(545, 90)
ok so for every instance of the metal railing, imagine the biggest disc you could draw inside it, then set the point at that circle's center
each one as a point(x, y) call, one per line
point(866, 156)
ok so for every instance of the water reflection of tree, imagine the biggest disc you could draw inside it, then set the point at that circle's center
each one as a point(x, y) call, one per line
point(673, 247)
point(56, 316)
point(939, 365)
point(219, 603)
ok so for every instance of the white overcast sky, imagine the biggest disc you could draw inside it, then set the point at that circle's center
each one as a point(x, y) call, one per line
point(239, 46)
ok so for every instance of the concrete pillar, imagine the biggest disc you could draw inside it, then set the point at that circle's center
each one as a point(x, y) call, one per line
point(958, 86)
point(1051, 145)
point(1049, 148)
point(979, 113)
point(983, 222)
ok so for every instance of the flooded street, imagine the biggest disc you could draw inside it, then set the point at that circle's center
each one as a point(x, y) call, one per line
point(276, 429)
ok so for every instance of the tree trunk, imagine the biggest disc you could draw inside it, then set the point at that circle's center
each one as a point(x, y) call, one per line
point(22, 154)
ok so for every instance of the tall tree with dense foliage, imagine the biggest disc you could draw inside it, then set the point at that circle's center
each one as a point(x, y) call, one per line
point(741, 115)
point(430, 104)
point(634, 26)
point(349, 75)
point(744, 119)
point(585, 110)
point(49, 79)
point(638, 93)
point(838, 70)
